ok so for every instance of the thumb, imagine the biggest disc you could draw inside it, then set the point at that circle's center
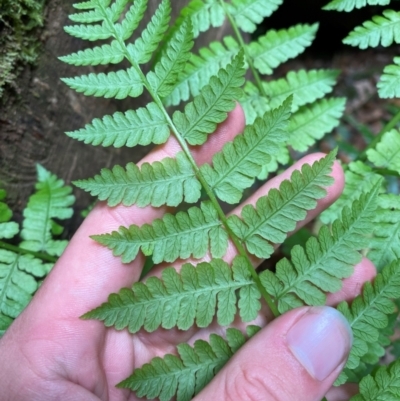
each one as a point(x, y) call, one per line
point(296, 357)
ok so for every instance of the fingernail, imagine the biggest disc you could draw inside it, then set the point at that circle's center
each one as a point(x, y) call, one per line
point(320, 341)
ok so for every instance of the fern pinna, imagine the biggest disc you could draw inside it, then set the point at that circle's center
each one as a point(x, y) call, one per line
point(215, 79)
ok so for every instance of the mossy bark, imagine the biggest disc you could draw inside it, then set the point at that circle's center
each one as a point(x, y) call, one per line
point(34, 119)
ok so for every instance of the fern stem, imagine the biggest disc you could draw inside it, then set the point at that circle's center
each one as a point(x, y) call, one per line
point(245, 49)
point(17, 249)
point(390, 125)
point(239, 246)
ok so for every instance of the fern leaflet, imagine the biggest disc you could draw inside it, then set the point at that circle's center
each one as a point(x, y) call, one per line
point(182, 299)
point(188, 374)
point(305, 86)
point(144, 126)
point(389, 84)
point(276, 47)
point(368, 313)
point(387, 151)
point(383, 384)
point(240, 161)
point(311, 123)
point(181, 236)
point(162, 183)
point(349, 5)
point(382, 30)
point(325, 260)
point(7, 228)
point(89, 32)
point(385, 245)
point(249, 13)
point(276, 214)
point(52, 200)
point(213, 103)
point(253, 103)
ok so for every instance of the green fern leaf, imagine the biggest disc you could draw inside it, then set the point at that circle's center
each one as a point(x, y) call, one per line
point(276, 47)
point(387, 151)
point(389, 84)
point(172, 62)
point(349, 5)
point(240, 162)
point(113, 12)
point(144, 126)
point(368, 313)
point(181, 236)
point(305, 86)
point(249, 13)
point(383, 384)
point(385, 245)
point(162, 183)
point(131, 21)
point(276, 214)
point(253, 103)
point(212, 105)
point(119, 85)
point(87, 5)
point(359, 179)
point(8, 229)
point(90, 32)
point(325, 260)
point(311, 123)
point(111, 53)
point(199, 70)
point(51, 200)
point(188, 374)
point(17, 283)
point(141, 51)
point(382, 30)
point(183, 299)
point(87, 17)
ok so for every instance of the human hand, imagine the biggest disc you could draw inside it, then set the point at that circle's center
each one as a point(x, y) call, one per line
point(49, 353)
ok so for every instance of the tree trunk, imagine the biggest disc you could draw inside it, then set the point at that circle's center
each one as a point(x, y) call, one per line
point(33, 123)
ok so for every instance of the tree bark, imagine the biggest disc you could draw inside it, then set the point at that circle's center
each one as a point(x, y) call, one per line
point(33, 123)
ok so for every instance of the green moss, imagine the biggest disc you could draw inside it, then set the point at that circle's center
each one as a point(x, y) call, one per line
point(19, 43)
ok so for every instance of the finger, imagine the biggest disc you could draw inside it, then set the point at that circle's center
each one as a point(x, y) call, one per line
point(88, 271)
point(296, 357)
point(352, 286)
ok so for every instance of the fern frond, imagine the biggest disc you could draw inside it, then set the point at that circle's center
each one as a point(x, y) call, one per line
point(119, 85)
point(249, 13)
point(385, 244)
point(188, 374)
point(7, 228)
point(305, 86)
point(17, 283)
point(383, 384)
point(277, 213)
point(389, 84)
point(311, 123)
point(240, 161)
point(87, 17)
point(325, 260)
point(368, 313)
point(173, 60)
point(144, 126)
point(349, 5)
point(200, 68)
point(253, 103)
point(276, 47)
point(90, 32)
point(203, 14)
point(382, 30)
point(51, 200)
point(193, 296)
point(132, 19)
point(107, 54)
point(184, 235)
point(144, 46)
point(359, 179)
point(87, 5)
point(165, 182)
point(213, 103)
point(387, 151)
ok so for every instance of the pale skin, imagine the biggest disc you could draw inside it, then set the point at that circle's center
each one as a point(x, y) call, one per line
point(49, 353)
